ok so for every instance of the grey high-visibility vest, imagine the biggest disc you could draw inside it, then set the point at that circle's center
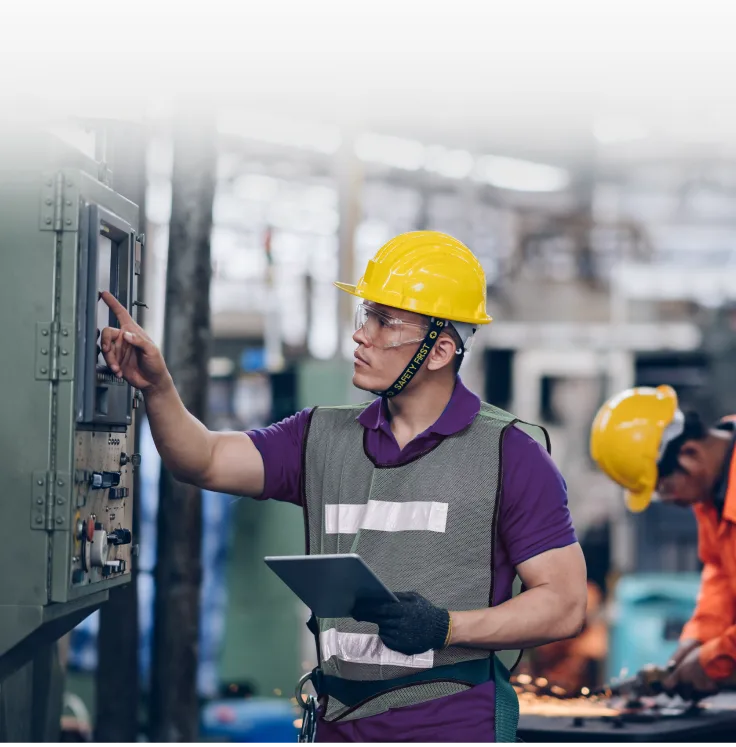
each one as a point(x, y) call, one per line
point(427, 526)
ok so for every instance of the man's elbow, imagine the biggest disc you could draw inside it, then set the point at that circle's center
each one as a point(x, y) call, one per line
point(573, 621)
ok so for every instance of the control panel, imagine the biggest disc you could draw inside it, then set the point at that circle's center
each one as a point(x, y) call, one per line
point(104, 453)
point(103, 487)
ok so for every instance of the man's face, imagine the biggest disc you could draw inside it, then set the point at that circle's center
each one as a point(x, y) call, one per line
point(387, 340)
point(688, 483)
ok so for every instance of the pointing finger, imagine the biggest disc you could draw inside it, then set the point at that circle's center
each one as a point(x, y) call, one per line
point(117, 308)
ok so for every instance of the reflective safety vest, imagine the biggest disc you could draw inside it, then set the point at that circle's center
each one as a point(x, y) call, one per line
point(428, 526)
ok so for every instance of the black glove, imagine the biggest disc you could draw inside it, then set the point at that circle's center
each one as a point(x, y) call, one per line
point(410, 626)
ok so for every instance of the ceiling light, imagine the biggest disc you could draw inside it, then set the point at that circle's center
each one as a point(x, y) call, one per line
point(520, 175)
point(454, 164)
point(391, 151)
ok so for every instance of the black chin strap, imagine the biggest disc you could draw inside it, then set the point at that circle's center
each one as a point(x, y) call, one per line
point(435, 327)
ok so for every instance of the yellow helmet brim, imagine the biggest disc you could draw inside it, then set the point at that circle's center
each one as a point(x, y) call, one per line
point(638, 502)
point(351, 289)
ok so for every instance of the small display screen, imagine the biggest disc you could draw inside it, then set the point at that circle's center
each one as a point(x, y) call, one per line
point(104, 274)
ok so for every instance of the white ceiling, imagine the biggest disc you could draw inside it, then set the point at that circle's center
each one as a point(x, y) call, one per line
point(532, 78)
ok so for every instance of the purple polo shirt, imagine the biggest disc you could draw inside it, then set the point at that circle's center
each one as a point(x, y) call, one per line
point(533, 518)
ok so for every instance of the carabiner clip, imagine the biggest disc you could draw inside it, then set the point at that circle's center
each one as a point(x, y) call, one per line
point(308, 732)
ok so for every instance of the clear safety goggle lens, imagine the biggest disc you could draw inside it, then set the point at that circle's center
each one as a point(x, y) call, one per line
point(384, 331)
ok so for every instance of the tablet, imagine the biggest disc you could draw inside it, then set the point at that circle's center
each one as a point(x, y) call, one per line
point(330, 585)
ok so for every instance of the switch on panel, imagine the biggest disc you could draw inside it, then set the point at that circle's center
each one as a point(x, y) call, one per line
point(120, 537)
point(134, 459)
point(104, 480)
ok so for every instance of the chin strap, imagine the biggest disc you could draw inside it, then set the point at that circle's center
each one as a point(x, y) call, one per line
point(435, 327)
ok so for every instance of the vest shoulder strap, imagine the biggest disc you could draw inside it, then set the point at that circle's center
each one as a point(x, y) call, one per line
point(537, 432)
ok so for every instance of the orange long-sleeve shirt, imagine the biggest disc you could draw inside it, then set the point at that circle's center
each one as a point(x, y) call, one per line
point(714, 620)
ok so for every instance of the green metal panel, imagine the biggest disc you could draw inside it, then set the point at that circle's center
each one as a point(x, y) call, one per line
point(44, 188)
point(26, 297)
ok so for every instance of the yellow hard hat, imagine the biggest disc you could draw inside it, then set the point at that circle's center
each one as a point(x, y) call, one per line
point(429, 273)
point(628, 436)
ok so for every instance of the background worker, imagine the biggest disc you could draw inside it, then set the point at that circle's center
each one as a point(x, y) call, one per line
point(642, 440)
point(441, 495)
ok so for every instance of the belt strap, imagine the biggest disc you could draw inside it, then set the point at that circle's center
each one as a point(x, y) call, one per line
point(352, 692)
point(507, 704)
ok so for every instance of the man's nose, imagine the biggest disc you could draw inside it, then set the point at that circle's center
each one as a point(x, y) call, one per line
point(359, 336)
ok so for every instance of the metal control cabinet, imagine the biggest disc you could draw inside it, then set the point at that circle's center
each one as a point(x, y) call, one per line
point(66, 423)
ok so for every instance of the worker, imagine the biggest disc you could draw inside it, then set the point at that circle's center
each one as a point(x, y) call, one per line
point(643, 441)
point(443, 496)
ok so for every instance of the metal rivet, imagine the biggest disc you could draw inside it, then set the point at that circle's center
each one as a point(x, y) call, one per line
point(59, 519)
point(68, 221)
point(48, 221)
point(39, 501)
point(44, 351)
point(68, 203)
point(59, 501)
point(45, 332)
point(65, 332)
point(44, 370)
point(63, 371)
point(39, 482)
point(65, 352)
point(39, 520)
point(60, 483)
point(48, 200)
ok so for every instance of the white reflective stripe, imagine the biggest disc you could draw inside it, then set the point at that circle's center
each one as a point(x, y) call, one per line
point(386, 516)
point(366, 648)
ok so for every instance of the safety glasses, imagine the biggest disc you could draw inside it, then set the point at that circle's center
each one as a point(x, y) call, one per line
point(385, 331)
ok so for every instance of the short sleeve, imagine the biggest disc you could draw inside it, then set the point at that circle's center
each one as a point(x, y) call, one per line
point(534, 515)
point(280, 446)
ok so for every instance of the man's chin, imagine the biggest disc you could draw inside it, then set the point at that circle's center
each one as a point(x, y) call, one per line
point(363, 383)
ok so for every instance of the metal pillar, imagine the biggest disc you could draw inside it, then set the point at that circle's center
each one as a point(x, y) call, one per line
point(349, 175)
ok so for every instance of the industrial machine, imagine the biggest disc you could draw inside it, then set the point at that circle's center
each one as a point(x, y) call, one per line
point(635, 709)
point(66, 423)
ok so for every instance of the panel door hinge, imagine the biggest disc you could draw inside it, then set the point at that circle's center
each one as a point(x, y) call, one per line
point(59, 202)
point(54, 351)
point(50, 494)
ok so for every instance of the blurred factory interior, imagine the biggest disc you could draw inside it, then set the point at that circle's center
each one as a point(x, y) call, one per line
point(590, 165)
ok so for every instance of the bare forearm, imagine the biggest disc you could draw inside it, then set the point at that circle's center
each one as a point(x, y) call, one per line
point(532, 618)
point(182, 441)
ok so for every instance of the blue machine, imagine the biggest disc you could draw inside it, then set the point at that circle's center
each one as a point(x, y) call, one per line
point(250, 720)
point(649, 611)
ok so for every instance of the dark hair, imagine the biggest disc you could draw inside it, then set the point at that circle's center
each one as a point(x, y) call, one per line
point(695, 430)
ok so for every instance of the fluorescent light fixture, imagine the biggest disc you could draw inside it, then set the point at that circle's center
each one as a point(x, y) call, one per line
point(520, 175)
point(277, 131)
point(391, 151)
point(454, 164)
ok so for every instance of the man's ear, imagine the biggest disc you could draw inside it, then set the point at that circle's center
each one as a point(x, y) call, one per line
point(692, 456)
point(442, 354)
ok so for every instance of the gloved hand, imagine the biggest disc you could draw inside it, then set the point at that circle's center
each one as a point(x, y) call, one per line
point(410, 626)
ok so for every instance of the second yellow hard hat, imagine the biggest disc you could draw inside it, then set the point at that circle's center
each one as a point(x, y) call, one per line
point(626, 437)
